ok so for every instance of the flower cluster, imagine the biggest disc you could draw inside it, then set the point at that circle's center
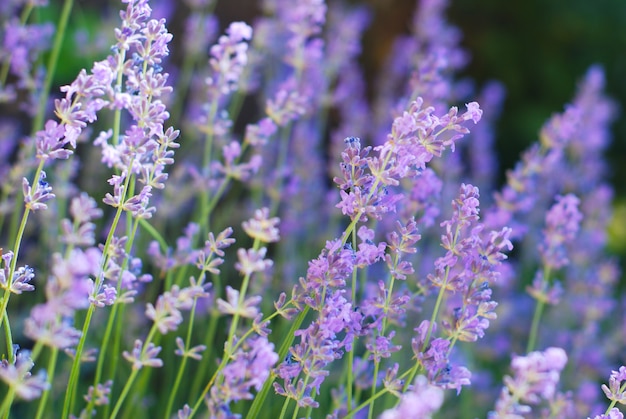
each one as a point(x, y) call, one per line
point(317, 246)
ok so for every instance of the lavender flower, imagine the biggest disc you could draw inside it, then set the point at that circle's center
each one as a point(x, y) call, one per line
point(247, 308)
point(416, 137)
point(249, 368)
point(562, 224)
point(81, 231)
point(20, 280)
point(18, 377)
point(421, 401)
point(615, 390)
point(166, 313)
point(35, 199)
point(143, 356)
point(194, 352)
point(614, 413)
point(262, 227)
point(99, 394)
point(228, 58)
point(535, 378)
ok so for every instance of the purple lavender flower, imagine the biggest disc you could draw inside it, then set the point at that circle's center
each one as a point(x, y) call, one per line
point(166, 313)
point(416, 137)
point(562, 224)
point(45, 326)
point(421, 401)
point(35, 199)
point(319, 345)
point(194, 352)
point(251, 261)
point(81, 232)
point(105, 296)
point(99, 394)
point(18, 377)
point(535, 378)
point(262, 227)
point(616, 391)
point(22, 45)
point(614, 413)
point(381, 347)
point(143, 356)
point(248, 308)
point(228, 58)
point(249, 368)
point(20, 280)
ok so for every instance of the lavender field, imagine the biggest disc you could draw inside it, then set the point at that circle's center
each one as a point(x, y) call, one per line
point(233, 220)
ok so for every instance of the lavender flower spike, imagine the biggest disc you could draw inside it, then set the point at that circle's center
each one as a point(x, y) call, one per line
point(228, 58)
point(17, 376)
point(562, 224)
point(615, 391)
point(422, 401)
point(536, 377)
point(143, 357)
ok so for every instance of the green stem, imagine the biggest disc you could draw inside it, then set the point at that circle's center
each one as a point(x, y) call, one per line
point(283, 411)
point(73, 380)
point(125, 391)
point(229, 346)
point(209, 338)
point(349, 377)
point(52, 362)
point(539, 309)
point(257, 404)
point(181, 369)
point(133, 374)
point(534, 328)
point(102, 355)
point(68, 404)
point(370, 412)
point(16, 251)
point(5, 408)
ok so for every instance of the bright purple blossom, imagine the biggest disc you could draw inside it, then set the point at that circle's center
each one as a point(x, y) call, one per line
point(249, 368)
point(35, 199)
point(143, 356)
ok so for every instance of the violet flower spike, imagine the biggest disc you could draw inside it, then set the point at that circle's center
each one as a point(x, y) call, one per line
point(100, 394)
point(194, 352)
point(562, 224)
point(228, 59)
point(35, 200)
point(535, 378)
point(616, 390)
point(261, 227)
point(143, 357)
point(421, 401)
point(248, 308)
point(18, 376)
